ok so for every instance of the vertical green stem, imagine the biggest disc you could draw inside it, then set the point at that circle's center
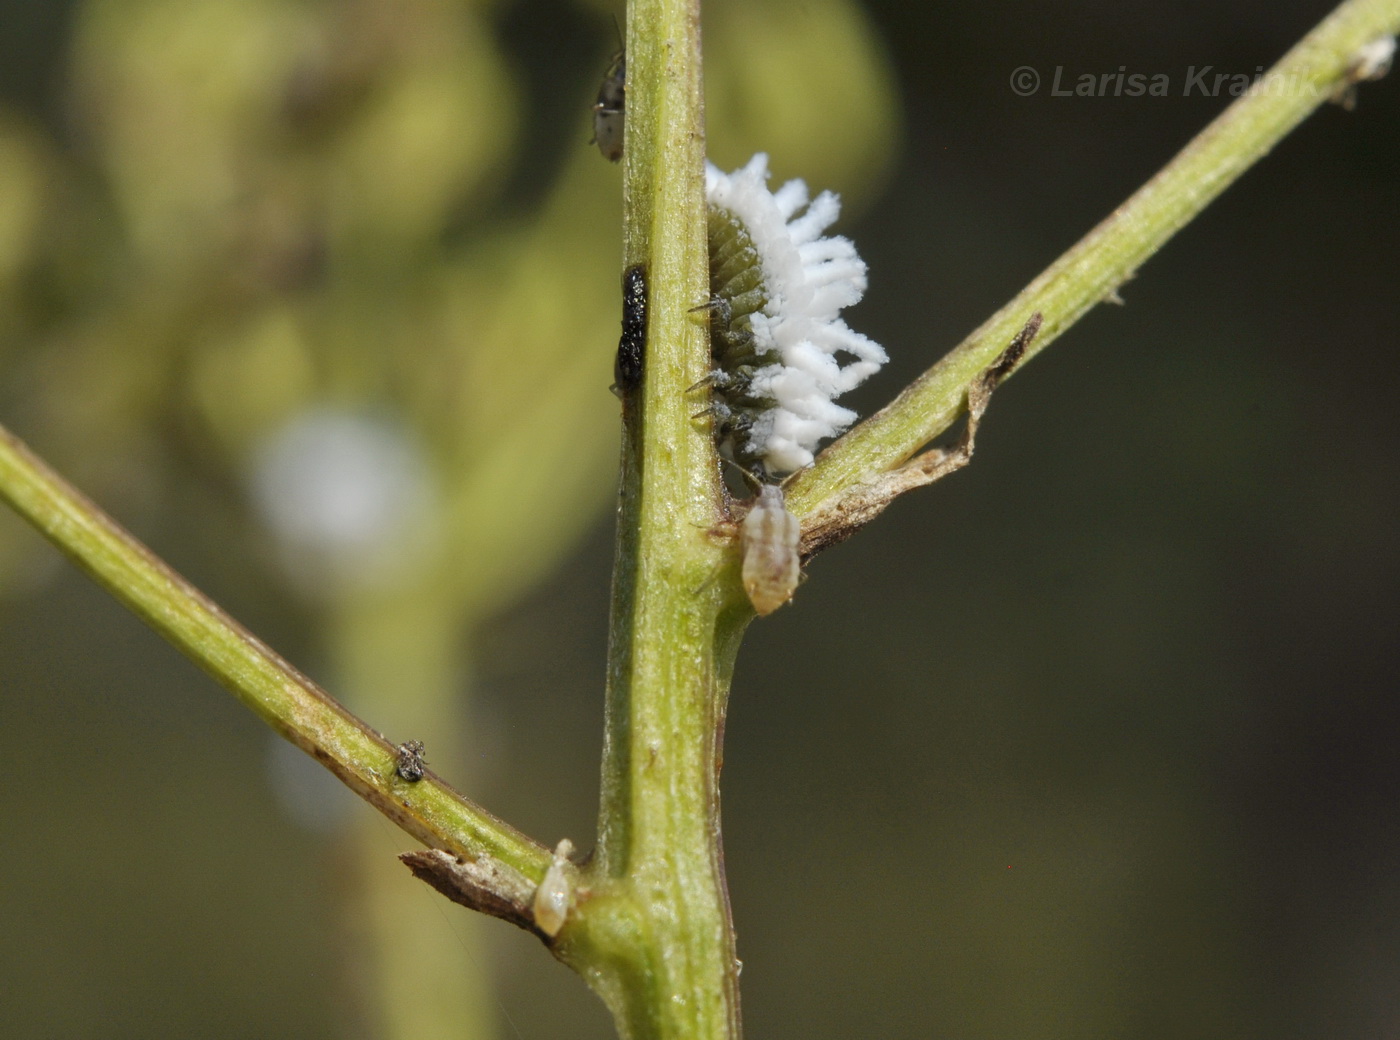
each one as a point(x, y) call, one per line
point(657, 902)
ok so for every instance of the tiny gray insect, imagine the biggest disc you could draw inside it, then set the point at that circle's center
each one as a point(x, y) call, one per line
point(609, 110)
point(768, 540)
point(410, 763)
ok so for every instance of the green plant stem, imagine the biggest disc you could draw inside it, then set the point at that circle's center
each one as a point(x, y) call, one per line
point(288, 701)
point(655, 939)
point(654, 936)
point(1109, 255)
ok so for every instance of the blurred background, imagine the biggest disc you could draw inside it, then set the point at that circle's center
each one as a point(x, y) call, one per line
point(1094, 739)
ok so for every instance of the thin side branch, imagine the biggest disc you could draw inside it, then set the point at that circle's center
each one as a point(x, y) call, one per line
point(418, 801)
point(851, 512)
point(847, 486)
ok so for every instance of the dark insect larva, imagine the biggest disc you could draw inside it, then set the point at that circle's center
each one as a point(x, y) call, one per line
point(631, 348)
point(768, 540)
point(610, 109)
point(410, 763)
point(736, 294)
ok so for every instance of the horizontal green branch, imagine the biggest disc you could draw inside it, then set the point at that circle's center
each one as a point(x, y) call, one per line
point(1323, 66)
point(291, 703)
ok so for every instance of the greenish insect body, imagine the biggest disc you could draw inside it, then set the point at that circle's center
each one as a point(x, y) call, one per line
point(768, 542)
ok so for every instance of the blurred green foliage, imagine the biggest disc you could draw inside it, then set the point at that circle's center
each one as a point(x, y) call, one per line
point(268, 205)
point(256, 215)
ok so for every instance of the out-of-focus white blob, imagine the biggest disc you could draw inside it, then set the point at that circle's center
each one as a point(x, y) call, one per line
point(350, 500)
point(305, 791)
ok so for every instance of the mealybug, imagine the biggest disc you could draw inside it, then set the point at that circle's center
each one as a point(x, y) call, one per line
point(410, 763)
point(768, 540)
point(631, 348)
point(610, 109)
point(555, 895)
point(777, 287)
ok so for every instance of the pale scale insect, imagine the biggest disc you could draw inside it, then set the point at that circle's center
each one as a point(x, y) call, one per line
point(555, 895)
point(768, 539)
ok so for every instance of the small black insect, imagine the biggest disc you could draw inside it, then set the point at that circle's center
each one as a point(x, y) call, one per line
point(631, 348)
point(610, 109)
point(410, 764)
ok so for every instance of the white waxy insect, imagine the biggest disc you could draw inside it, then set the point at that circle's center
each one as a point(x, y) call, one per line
point(780, 353)
point(610, 109)
point(554, 897)
point(768, 539)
